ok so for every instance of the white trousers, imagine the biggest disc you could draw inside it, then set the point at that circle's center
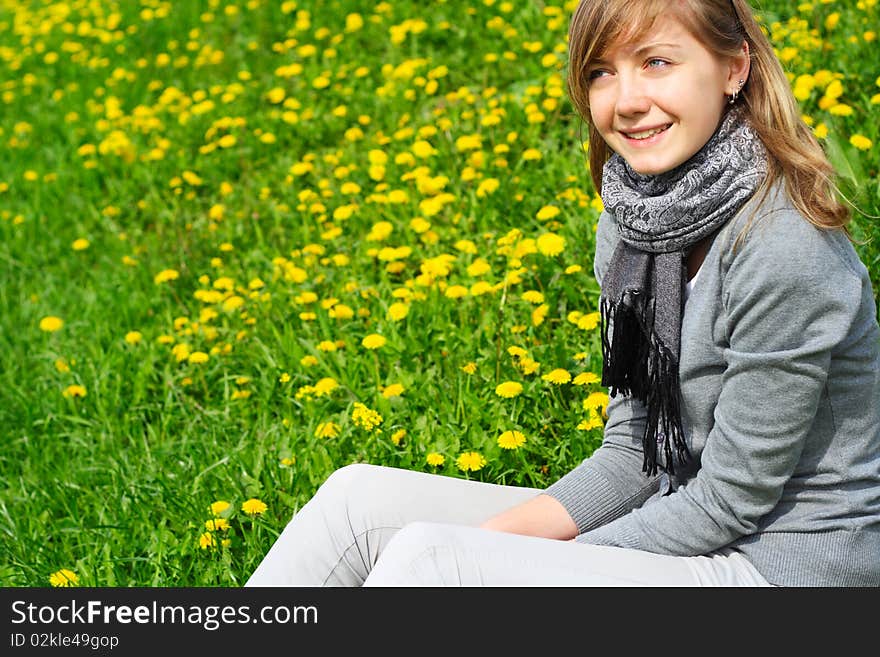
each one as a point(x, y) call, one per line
point(377, 526)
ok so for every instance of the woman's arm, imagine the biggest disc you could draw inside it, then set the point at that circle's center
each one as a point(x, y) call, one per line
point(789, 300)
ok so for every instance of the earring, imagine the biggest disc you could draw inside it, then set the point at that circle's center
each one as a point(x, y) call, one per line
point(736, 91)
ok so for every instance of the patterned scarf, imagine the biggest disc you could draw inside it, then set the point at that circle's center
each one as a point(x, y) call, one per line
point(659, 218)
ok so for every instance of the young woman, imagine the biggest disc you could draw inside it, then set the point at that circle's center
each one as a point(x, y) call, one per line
point(741, 349)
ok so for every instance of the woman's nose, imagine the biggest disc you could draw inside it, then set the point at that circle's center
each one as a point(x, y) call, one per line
point(631, 97)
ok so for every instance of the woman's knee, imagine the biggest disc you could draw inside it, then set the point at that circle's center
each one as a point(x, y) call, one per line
point(350, 480)
point(416, 538)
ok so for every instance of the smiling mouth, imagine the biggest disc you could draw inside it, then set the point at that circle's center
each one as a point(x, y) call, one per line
point(647, 134)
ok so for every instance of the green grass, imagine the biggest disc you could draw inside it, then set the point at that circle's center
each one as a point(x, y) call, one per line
point(116, 485)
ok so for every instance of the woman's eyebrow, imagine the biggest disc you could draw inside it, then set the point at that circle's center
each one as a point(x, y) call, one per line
point(638, 51)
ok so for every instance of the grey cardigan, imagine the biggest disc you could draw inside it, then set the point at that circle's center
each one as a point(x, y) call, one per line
point(780, 385)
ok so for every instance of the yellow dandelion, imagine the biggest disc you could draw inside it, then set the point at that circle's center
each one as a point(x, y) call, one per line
point(557, 376)
point(198, 357)
point(548, 212)
point(533, 296)
point(539, 314)
point(51, 324)
point(374, 341)
point(217, 525)
point(586, 378)
point(394, 390)
point(511, 440)
point(551, 244)
point(134, 337)
point(434, 459)
point(325, 386)
point(397, 436)
point(207, 540)
point(74, 391)
point(397, 311)
point(62, 365)
point(508, 389)
point(81, 244)
point(63, 578)
point(327, 430)
point(589, 321)
point(469, 368)
point(861, 142)
point(470, 461)
point(595, 401)
point(218, 507)
point(253, 507)
point(166, 275)
point(455, 291)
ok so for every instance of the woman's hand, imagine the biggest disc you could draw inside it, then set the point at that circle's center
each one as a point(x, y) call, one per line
point(541, 516)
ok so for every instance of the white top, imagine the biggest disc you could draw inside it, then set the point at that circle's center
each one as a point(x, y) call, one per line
point(690, 284)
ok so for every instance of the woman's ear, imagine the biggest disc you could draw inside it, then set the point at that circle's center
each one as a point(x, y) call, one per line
point(740, 65)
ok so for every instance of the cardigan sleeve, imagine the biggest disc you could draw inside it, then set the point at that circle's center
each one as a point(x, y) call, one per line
point(789, 299)
point(610, 482)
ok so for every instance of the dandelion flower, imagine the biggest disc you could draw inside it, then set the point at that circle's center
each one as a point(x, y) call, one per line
point(166, 275)
point(74, 391)
point(253, 507)
point(62, 365)
point(508, 389)
point(198, 357)
point(397, 311)
point(63, 578)
point(589, 321)
point(861, 142)
point(472, 461)
point(586, 378)
point(548, 212)
point(133, 337)
point(511, 440)
point(325, 386)
point(217, 525)
point(397, 436)
point(374, 341)
point(557, 376)
point(80, 245)
point(207, 540)
point(327, 430)
point(469, 368)
point(51, 324)
point(539, 313)
point(218, 507)
point(394, 390)
point(595, 401)
point(434, 459)
point(551, 244)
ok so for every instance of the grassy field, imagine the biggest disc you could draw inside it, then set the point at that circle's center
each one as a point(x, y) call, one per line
point(245, 243)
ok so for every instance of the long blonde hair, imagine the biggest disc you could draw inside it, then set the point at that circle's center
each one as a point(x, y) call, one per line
point(794, 153)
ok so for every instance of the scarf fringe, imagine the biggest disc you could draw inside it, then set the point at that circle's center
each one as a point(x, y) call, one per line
point(637, 364)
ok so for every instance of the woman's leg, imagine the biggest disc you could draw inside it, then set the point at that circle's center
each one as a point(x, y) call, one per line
point(335, 539)
point(435, 554)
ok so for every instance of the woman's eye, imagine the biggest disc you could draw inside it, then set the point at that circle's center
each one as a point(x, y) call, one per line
point(596, 73)
point(656, 63)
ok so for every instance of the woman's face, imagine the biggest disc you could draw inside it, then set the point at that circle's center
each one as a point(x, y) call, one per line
point(657, 101)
